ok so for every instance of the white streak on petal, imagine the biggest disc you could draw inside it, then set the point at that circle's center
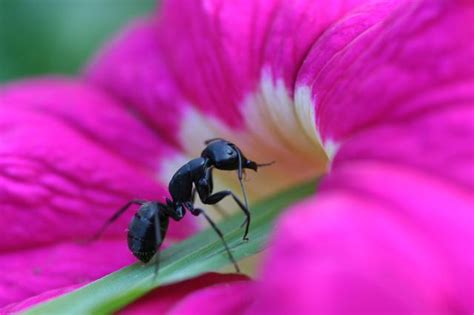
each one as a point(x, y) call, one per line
point(169, 165)
point(331, 148)
point(305, 110)
point(305, 106)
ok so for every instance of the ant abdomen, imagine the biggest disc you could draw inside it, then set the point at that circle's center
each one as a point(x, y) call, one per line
point(141, 232)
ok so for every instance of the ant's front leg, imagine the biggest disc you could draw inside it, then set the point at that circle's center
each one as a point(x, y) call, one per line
point(158, 238)
point(204, 188)
point(196, 212)
point(240, 172)
point(218, 196)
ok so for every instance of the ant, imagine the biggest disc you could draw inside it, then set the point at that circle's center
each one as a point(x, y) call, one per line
point(149, 225)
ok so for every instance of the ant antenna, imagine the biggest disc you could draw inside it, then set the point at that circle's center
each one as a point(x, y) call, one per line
point(212, 140)
point(266, 164)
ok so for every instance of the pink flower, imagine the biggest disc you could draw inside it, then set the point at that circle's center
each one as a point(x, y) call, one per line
point(377, 94)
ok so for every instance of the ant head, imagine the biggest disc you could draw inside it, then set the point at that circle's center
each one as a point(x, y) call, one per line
point(225, 155)
point(222, 154)
point(251, 165)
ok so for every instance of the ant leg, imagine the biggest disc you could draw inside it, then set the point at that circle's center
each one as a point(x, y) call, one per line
point(210, 180)
point(204, 188)
point(193, 195)
point(218, 209)
point(116, 216)
point(158, 239)
point(240, 175)
point(218, 196)
point(197, 211)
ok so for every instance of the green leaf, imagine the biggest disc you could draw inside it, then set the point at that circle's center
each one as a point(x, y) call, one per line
point(51, 36)
point(201, 253)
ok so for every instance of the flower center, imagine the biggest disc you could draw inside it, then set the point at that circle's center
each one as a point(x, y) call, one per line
point(277, 127)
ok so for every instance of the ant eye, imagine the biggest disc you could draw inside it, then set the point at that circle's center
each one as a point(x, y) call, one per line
point(229, 152)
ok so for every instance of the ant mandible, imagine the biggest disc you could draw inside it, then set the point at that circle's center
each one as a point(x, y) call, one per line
point(144, 236)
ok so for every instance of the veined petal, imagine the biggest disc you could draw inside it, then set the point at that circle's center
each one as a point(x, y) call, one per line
point(62, 175)
point(165, 299)
point(398, 66)
point(87, 109)
point(225, 68)
point(32, 271)
point(229, 298)
point(17, 307)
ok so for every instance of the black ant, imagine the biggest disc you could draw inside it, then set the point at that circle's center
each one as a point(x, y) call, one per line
point(144, 239)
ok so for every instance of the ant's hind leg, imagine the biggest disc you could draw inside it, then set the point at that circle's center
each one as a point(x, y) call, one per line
point(218, 196)
point(158, 240)
point(193, 195)
point(197, 211)
point(116, 216)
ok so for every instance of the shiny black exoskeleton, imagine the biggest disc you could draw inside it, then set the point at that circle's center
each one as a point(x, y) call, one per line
point(150, 223)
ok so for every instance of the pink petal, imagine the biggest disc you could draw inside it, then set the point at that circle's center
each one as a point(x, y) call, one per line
point(228, 298)
point(376, 68)
point(203, 64)
point(132, 69)
point(87, 109)
point(30, 272)
point(210, 55)
point(17, 307)
point(61, 176)
point(391, 230)
point(373, 249)
point(163, 300)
